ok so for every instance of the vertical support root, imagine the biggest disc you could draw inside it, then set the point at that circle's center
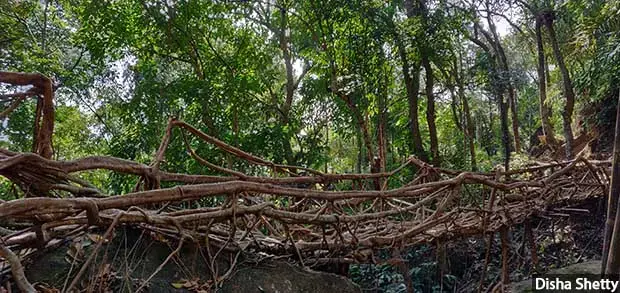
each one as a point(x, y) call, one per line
point(487, 256)
point(505, 246)
point(529, 234)
point(17, 270)
point(106, 235)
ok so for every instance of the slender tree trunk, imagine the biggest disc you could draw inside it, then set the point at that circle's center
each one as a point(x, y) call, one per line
point(360, 151)
point(469, 132)
point(362, 120)
point(490, 142)
point(611, 243)
point(506, 74)
point(288, 63)
point(411, 75)
point(381, 143)
point(567, 85)
point(44, 140)
point(430, 111)
point(469, 125)
point(442, 263)
point(288, 149)
point(381, 137)
point(498, 87)
point(545, 110)
point(326, 145)
point(362, 124)
point(512, 98)
point(430, 82)
point(505, 246)
point(412, 85)
point(454, 106)
point(403, 266)
point(38, 112)
point(235, 129)
point(290, 85)
point(529, 235)
point(503, 111)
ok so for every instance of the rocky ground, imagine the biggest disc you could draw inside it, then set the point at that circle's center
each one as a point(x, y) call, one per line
point(125, 263)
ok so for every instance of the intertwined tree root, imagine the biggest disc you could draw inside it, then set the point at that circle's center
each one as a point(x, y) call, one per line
point(274, 214)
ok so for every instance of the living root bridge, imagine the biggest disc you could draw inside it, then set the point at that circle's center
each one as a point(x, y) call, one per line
point(270, 214)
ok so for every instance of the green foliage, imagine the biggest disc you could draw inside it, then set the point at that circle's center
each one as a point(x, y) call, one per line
point(422, 270)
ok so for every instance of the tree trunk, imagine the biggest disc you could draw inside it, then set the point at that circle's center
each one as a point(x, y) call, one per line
point(529, 238)
point(38, 112)
point(567, 85)
point(505, 246)
point(288, 63)
point(512, 99)
point(503, 112)
point(454, 106)
point(545, 110)
point(412, 85)
point(362, 124)
point(403, 266)
point(498, 87)
point(491, 133)
point(469, 132)
point(469, 125)
point(290, 85)
point(381, 137)
point(360, 155)
point(611, 244)
point(430, 82)
point(430, 112)
point(505, 74)
point(362, 120)
point(411, 75)
point(44, 139)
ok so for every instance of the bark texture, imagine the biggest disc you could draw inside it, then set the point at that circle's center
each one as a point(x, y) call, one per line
point(567, 85)
point(42, 85)
point(545, 109)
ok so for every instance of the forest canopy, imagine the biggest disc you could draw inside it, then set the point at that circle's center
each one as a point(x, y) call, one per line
point(344, 86)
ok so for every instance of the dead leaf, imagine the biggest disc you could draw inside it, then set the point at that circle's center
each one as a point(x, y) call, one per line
point(44, 288)
point(178, 285)
point(96, 238)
